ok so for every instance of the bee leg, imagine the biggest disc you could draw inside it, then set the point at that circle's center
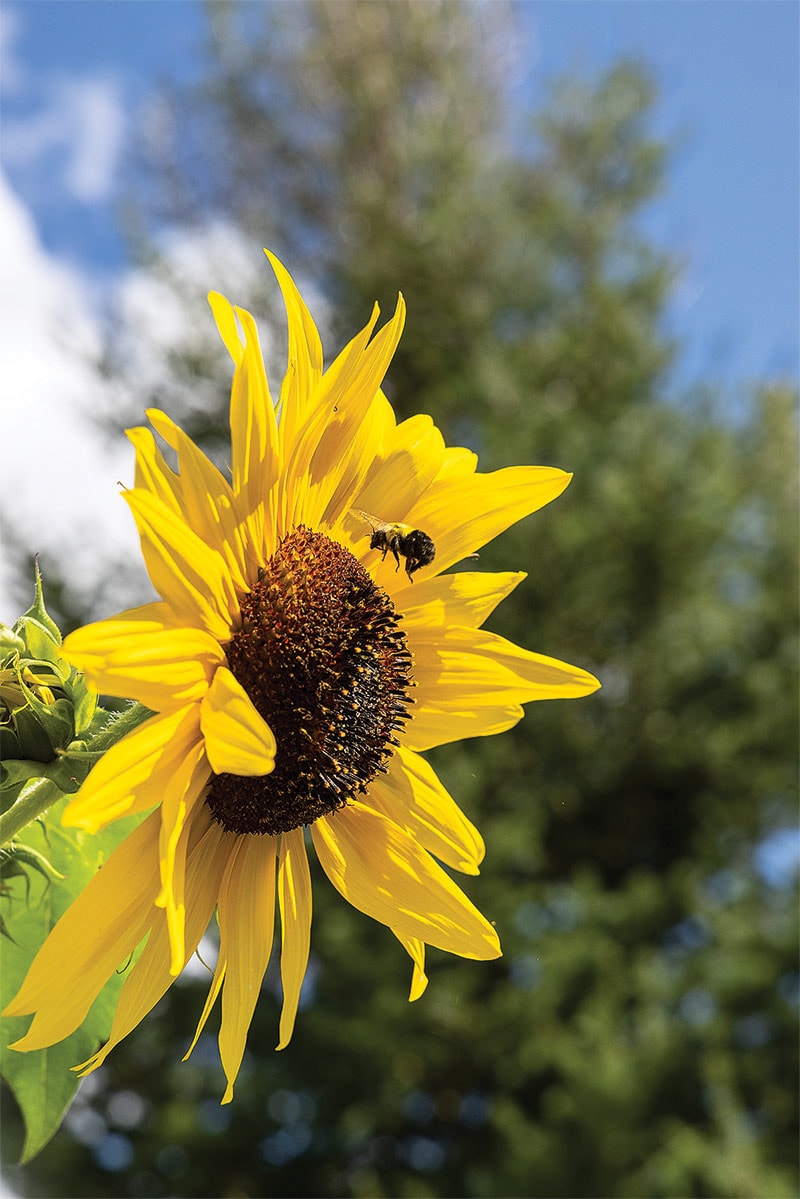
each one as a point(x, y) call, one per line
point(396, 558)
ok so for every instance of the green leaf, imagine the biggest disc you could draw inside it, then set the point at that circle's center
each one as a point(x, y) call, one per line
point(43, 1081)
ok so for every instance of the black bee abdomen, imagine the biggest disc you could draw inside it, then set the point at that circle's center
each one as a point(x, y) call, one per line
point(419, 550)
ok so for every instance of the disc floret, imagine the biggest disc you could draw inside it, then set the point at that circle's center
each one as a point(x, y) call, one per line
point(322, 655)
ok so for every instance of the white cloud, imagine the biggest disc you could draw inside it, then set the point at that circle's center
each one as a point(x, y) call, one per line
point(58, 484)
point(65, 136)
point(59, 492)
point(73, 137)
point(162, 316)
point(13, 75)
point(93, 126)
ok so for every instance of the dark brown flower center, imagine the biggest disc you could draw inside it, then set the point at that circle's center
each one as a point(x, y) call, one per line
point(321, 654)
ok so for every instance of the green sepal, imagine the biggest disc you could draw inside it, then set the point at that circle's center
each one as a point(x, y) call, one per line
point(40, 641)
point(39, 730)
point(10, 642)
point(84, 704)
point(25, 740)
point(37, 614)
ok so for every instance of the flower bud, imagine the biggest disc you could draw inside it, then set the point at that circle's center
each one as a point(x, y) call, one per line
point(44, 702)
point(36, 714)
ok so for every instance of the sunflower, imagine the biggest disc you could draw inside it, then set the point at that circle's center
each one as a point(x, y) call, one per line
point(296, 673)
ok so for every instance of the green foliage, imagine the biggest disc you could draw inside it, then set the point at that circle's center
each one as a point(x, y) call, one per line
point(53, 733)
point(60, 863)
point(637, 1038)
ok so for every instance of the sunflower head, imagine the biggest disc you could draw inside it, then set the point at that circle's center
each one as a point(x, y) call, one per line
point(297, 674)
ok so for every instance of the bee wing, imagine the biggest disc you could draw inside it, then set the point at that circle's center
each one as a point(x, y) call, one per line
point(372, 521)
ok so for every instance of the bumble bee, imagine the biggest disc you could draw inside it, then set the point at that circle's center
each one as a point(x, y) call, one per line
point(401, 541)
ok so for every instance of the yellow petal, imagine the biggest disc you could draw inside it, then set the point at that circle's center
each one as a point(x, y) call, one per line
point(457, 463)
point(180, 799)
point(208, 503)
point(246, 925)
point(407, 459)
point(152, 472)
point(356, 458)
point(150, 617)
point(431, 727)
point(135, 773)
point(138, 655)
point(151, 976)
point(255, 447)
point(211, 998)
point(230, 847)
point(463, 512)
point(304, 368)
point(238, 740)
point(294, 898)
point(345, 401)
point(416, 951)
point(383, 872)
point(99, 930)
point(471, 683)
point(374, 363)
point(408, 462)
point(226, 324)
point(411, 795)
point(336, 387)
point(463, 669)
point(188, 574)
point(467, 598)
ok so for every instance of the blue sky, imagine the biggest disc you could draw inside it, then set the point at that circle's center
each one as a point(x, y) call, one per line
point(728, 73)
point(75, 77)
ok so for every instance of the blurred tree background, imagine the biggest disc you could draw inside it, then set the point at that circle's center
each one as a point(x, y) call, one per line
point(638, 1036)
